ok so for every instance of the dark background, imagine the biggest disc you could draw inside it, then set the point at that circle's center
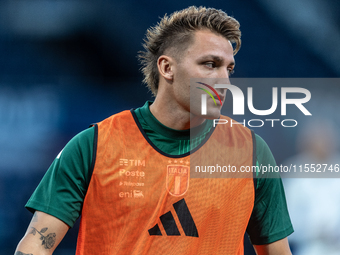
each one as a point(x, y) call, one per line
point(66, 64)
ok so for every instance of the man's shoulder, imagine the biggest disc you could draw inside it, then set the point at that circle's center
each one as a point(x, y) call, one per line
point(126, 114)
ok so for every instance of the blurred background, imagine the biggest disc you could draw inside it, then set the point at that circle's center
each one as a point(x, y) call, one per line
point(68, 63)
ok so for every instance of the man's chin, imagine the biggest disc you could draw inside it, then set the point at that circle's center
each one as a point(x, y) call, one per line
point(211, 115)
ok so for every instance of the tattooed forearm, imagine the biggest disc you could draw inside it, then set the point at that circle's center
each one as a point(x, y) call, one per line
point(48, 240)
point(21, 253)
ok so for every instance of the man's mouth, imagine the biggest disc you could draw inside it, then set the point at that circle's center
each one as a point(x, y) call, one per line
point(218, 99)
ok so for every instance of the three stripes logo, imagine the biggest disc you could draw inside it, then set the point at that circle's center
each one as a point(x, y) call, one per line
point(169, 223)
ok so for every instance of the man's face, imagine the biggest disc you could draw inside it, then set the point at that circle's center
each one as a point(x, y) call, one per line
point(208, 59)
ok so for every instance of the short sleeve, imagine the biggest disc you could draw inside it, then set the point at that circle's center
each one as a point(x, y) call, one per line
point(270, 219)
point(63, 188)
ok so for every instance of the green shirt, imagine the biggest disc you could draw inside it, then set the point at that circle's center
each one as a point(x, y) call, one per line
point(63, 188)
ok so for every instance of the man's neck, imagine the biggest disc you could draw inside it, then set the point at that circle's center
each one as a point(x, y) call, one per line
point(175, 118)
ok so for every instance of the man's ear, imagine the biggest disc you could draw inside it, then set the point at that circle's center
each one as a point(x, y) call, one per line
point(165, 67)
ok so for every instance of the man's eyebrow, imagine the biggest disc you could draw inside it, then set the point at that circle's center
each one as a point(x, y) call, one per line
point(215, 58)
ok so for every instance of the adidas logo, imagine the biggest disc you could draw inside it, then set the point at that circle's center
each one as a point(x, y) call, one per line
point(169, 223)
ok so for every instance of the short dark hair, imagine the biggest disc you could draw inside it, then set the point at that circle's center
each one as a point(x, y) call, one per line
point(174, 34)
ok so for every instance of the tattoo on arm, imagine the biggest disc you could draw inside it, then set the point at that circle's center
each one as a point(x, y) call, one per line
point(21, 253)
point(48, 240)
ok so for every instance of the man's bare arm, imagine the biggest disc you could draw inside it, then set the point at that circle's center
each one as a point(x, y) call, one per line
point(280, 247)
point(43, 235)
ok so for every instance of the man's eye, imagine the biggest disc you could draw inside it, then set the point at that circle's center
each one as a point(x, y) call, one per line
point(210, 64)
point(231, 71)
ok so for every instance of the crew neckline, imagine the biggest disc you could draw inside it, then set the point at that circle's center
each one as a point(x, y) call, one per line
point(158, 127)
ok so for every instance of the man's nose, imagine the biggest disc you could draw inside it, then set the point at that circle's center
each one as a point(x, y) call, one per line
point(224, 75)
point(223, 80)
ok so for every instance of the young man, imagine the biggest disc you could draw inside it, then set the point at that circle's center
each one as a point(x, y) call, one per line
point(129, 175)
